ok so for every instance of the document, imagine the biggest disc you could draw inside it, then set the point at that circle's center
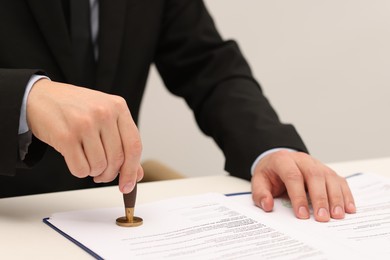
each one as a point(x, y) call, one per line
point(215, 226)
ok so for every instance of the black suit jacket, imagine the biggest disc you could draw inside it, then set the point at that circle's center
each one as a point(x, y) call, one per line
point(178, 36)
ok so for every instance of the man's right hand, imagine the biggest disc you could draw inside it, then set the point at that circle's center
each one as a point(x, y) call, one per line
point(93, 131)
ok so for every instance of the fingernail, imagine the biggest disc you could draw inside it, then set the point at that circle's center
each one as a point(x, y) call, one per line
point(351, 207)
point(338, 211)
point(262, 203)
point(128, 187)
point(322, 212)
point(303, 212)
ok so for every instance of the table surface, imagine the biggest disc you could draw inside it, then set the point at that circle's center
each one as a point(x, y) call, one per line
point(23, 234)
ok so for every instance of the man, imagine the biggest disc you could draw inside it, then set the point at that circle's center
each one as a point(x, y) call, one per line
point(81, 118)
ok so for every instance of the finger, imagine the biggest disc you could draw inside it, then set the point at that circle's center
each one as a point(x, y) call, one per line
point(335, 195)
point(261, 192)
point(140, 173)
point(336, 198)
point(132, 148)
point(75, 159)
point(316, 185)
point(295, 185)
point(114, 153)
point(94, 153)
point(349, 201)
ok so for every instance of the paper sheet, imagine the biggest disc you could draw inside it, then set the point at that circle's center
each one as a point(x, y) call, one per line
point(213, 226)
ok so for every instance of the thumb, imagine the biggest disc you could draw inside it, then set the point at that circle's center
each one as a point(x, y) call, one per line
point(261, 192)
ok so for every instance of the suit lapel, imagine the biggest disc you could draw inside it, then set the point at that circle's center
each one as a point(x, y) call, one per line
point(111, 28)
point(51, 20)
point(50, 17)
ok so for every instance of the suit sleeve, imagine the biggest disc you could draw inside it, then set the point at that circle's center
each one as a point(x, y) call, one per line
point(12, 86)
point(216, 82)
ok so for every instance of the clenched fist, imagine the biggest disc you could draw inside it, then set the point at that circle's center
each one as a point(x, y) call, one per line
point(93, 131)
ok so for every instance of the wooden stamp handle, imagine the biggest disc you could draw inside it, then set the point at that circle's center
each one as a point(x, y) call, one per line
point(129, 198)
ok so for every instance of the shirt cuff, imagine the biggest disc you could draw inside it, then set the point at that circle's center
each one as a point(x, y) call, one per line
point(23, 126)
point(261, 156)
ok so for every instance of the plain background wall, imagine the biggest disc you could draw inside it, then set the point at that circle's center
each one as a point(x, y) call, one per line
point(324, 65)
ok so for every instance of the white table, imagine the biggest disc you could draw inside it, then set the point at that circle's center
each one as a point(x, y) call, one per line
point(24, 235)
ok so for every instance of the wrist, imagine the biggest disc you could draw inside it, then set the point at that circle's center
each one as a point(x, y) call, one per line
point(34, 96)
point(23, 123)
point(264, 154)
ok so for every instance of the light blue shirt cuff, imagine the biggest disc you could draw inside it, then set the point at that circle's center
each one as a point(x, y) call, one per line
point(261, 156)
point(23, 126)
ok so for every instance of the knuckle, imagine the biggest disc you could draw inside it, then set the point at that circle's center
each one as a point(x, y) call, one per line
point(314, 173)
point(135, 147)
point(62, 140)
point(333, 174)
point(110, 177)
point(294, 176)
point(107, 176)
point(98, 167)
point(82, 123)
point(119, 102)
point(118, 160)
point(80, 171)
point(299, 199)
point(109, 111)
point(337, 199)
point(64, 135)
point(320, 200)
point(100, 111)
